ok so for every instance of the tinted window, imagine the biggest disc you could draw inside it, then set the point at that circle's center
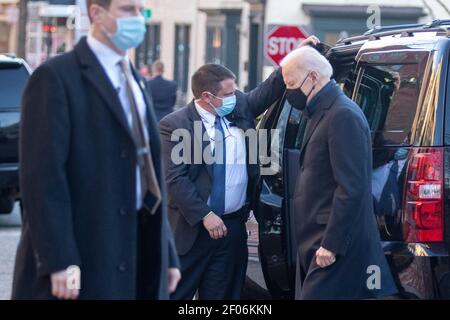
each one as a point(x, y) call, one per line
point(281, 126)
point(291, 125)
point(12, 84)
point(388, 95)
point(280, 122)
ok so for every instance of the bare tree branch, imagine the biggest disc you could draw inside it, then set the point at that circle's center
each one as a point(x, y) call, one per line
point(430, 11)
point(444, 6)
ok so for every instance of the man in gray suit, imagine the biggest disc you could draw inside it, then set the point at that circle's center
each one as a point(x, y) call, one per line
point(338, 239)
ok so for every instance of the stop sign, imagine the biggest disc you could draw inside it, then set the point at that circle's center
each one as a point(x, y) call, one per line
point(282, 40)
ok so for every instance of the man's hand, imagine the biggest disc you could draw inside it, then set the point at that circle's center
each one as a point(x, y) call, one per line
point(60, 285)
point(215, 226)
point(311, 40)
point(174, 276)
point(325, 258)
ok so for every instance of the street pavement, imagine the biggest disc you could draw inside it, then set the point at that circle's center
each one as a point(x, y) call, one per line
point(9, 238)
point(10, 234)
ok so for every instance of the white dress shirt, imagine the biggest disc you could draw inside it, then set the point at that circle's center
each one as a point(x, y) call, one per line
point(110, 61)
point(236, 178)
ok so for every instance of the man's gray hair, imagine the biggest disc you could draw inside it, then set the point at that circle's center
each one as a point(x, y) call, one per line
point(158, 65)
point(308, 59)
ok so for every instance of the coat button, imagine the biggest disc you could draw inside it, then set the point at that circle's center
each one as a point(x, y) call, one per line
point(123, 212)
point(302, 168)
point(123, 267)
point(123, 154)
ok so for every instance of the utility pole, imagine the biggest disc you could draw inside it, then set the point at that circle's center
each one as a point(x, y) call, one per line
point(22, 28)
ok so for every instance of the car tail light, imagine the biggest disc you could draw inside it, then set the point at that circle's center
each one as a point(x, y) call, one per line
point(423, 207)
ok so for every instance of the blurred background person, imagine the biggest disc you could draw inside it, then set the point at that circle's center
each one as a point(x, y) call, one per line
point(163, 91)
point(145, 72)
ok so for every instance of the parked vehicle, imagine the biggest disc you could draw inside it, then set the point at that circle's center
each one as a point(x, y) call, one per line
point(399, 76)
point(14, 74)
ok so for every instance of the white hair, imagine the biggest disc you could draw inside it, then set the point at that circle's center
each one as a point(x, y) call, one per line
point(307, 59)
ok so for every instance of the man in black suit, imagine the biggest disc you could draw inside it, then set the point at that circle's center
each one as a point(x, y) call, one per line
point(339, 250)
point(94, 201)
point(164, 92)
point(209, 203)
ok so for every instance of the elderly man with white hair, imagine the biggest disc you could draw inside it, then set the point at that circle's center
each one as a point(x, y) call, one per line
point(339, 251)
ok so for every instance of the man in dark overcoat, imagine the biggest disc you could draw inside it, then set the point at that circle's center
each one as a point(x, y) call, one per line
point(339, 250)
point(94, 202)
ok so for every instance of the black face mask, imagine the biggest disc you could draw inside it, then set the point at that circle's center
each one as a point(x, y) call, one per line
point(296, 98)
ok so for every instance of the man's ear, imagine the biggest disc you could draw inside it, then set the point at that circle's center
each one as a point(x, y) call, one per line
point(96, 13)
point(205, 97)
point(314, 76)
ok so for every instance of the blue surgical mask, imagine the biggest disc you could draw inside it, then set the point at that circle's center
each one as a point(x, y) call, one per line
point(130, 32)
point(227, 107)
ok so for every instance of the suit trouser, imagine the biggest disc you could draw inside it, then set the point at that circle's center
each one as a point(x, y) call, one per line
point(216, 268)
point(148, 265)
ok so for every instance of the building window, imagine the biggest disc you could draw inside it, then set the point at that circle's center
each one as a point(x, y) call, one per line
point(222, 38)
point(150, 49)
point(334, 22)
point(4, 37)
point(214, 45)
point(182, 53)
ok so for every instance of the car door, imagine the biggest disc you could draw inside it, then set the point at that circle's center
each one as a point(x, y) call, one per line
point(13, 78)
point(270, 213)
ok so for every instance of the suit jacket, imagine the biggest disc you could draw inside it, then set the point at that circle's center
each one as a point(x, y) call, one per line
point(164, 93)
point(78, 185)
point(189, 185)
point(333, 204)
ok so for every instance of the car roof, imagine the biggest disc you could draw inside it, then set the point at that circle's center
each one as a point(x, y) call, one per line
point(423, 36)
point(433, 31)
point(10, 59)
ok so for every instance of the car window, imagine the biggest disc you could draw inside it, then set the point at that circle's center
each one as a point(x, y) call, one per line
point(295, 129)
point(388, 96)
point(281, 126)
point(347, 82)
point(12, 84)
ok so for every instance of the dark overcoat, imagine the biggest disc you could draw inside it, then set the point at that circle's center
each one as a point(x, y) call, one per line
point(164, 94)
point(78, 186)
point(333, 205)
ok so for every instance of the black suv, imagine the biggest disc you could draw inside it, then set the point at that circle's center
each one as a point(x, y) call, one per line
point(399, 76)
point(14, 74)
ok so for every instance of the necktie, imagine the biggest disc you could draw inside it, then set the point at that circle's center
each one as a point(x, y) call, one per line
point(217, 197)
point(149, 183)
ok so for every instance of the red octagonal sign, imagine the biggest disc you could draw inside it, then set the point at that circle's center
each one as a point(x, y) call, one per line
point(282, 40)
